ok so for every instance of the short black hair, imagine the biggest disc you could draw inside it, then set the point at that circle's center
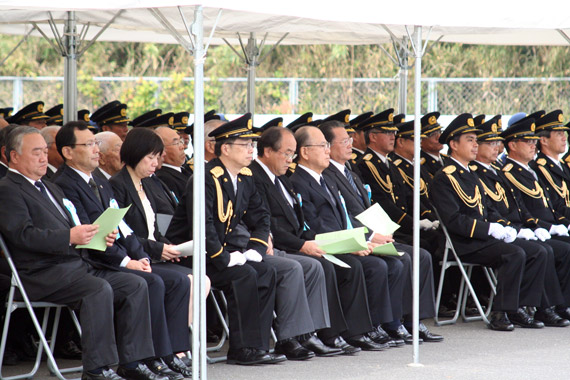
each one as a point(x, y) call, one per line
point(138, 143)
point(543, 133)
point(66, 135)
point(327, 128)
point(219, 143)
point(271, 138)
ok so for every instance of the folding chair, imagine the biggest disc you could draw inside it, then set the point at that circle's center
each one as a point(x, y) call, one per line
point(17, 291)
point(465, 287)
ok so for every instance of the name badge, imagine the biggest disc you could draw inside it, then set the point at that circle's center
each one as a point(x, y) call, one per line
point(72, 210)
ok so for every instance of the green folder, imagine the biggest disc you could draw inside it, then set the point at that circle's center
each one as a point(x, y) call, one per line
point(107, 222)
point(387, 249)
point(376, 219)
point(344, 241)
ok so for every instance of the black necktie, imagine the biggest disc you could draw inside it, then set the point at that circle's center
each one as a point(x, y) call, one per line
point(42, 189)
point(324, 186)
point(350, 179)
point(280, 190)
point(95, 189)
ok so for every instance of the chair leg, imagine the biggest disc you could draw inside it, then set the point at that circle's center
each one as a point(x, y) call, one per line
point(445, 265)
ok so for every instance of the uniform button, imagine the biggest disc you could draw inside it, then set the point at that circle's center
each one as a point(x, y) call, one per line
point(403, 208)
point(225, 244)
point(225, 180)
point(230, 230)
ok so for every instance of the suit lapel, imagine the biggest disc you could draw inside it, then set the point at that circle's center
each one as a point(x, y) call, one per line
point(134, 195)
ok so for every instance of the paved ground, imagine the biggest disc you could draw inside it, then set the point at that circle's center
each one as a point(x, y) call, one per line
point(470, 351)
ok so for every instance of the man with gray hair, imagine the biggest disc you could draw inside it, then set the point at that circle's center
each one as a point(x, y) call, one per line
point(54, 158)
point(109, 154)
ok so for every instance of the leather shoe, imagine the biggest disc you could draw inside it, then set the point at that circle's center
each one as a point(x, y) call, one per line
point(247, 356)
point(107, 374)
point(315, 345)
point(378, 335)
point(522, 319)
point(275, 358)
point(550, 318)
point(499, 321)
point(366, 344)
point(428, 336)
point(563, 312)
point(157, 366)
point(402, 333)
point(140, 372)
point(178, 365)
point(346, 348)
point(293, 350)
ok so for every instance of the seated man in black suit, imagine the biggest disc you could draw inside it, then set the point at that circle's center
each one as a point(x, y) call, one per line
point(40, 230)
point(169, 290)
point(356, 200)
point(171, 172)
point(247, 281)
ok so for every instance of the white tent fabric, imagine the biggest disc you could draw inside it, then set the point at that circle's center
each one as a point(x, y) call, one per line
point(307, 22)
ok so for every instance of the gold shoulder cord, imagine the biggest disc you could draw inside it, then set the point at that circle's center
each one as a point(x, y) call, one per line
point(536, 193)
point(224, 217)
point(410, 181)
point(472, 202)
point(385, 185)
point(499, 196)
point(561, 190)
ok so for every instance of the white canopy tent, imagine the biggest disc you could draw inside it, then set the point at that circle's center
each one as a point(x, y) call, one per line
point(303, 22)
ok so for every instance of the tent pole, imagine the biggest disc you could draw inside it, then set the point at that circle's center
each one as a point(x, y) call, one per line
point(251, 55)
point(70, 71)
point(199, 370)
point(403, 89)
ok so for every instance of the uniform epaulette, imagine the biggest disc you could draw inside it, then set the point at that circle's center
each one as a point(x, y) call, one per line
point(541, 161)
point(473, 167)
point(246, 171)
point(397, 162)
point(353, 156)
point(292, 167)
point(495, 167)
point(422, 160)
point(217, 171)
point(367, 157)
point(449, 169)
point(567, 159)
point(508, 167)
point(190, 163)
point(443, 155)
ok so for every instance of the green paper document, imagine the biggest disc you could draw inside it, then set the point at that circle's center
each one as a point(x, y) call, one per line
point(107, 222)
point(386, 250)
point(344, 241)
point(376, 219)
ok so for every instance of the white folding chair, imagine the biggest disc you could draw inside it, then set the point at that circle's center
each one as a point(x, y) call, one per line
point(17, 291)
point(465, 286)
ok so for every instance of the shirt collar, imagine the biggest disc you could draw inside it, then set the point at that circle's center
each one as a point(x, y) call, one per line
point(340, 167)
point(53, 168)
point(437, 158)
point(177, 168)
point(382, 157)
point(28, 178)
point(554, 160)
point(107, 175)
point(521, 164)
point(267, 171)
point(358, 150)
point(460, 164)
point(85, 177)
point(313, 173)
point(486, 166)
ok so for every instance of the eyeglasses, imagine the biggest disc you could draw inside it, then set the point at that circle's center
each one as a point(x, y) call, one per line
point(393, 133)
point(529, 142)
point(90, 144)
point(249, 145)
point(434, 134)
point(288, 156)
point(177, 142)
point(345, 142)
point(325, 145)
point(491, 143)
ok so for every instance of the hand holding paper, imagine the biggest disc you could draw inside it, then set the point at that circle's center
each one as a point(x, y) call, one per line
point(82, 234)
point(108, 221)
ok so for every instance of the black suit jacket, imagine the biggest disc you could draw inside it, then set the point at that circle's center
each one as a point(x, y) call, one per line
point(3, 171)
point(174, 180)
point(322, 215)
point(287, 223)
point(37, 235)
point(246, 205)
point(126, 194)
point(165, 201)
point(557, 181)
point(89, 209)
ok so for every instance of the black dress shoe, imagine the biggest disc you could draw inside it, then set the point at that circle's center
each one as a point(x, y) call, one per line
point(315, 345)
point(378, 335)
point(402, 333)
point(247, 356)
point(178, 365)
point(522, 319)
point(157, 366)
point(107, 374)
point(366, 344)
point(550, 318)
point(340, 343)
point(293, 350)
point(275, 358)
point(140, 372)
point(563, 312)
point(428, 336)
point(499, 321)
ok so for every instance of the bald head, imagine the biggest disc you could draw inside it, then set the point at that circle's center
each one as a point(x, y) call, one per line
point(54, 158)
point(109, 152)
point(209, 143)
point(173, 146)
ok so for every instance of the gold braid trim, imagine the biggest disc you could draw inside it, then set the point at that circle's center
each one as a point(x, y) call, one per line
point(472, 202)
point(410, 181)
point(536, 193)
point(224, 217)
point(385, 185)
point(497, 197)
point(561, 190)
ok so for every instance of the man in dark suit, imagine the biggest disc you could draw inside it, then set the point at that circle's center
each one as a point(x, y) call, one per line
point(356, 201)
point(169, 290)
point(248, 282)
point(40, 229)
point(109, 155)
point(477, 232)
point(171, 172)
point(54, 158)
point(431, 158)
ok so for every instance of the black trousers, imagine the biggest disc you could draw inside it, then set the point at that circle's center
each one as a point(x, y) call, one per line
point(561, 250)
point(250, 291)
point(520, 272)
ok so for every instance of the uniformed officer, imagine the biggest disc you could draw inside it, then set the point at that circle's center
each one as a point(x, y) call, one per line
point(248, 282)
point(112, 117)
point(457, 194)
point(32, 115)
point(431, 159)
point(155, 120)
point(513, 212)
point(304, 119)
point(188, 131)
point(145, 116)
point(358, 143)
point(55, 114)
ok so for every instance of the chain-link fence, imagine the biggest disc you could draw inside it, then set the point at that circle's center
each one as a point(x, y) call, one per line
point(449, 96)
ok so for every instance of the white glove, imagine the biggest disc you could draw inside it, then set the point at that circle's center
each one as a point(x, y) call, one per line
point(497, 231)
point(542, 234)
point(435, 224)
point(236, 258)
point(252, 255)
point(559, 230)
point(527, 234)
point(426, 224)
point(510, 235)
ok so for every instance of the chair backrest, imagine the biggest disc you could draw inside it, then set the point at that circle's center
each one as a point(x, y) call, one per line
point(15, 277)
point(448, 242)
